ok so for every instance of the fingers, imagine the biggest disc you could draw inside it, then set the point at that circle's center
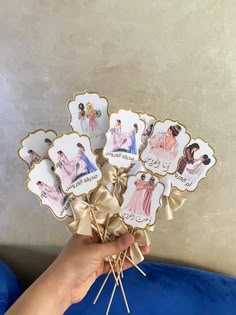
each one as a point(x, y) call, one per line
point(117, 246)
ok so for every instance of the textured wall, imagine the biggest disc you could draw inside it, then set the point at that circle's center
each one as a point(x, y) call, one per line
point(173, 58)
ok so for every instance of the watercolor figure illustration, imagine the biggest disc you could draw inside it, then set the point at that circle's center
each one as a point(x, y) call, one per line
point(34, 146)
point(142, 199)
point(75, 163)
point(45, 184)
point(55, 197)
point(75, 168)
point(198, 158)
point(140, 202)
point(165, 147)
point(124, 138)
point(122, 141)
point(89, 116)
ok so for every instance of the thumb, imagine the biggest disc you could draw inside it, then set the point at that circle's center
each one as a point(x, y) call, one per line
point(116, 246)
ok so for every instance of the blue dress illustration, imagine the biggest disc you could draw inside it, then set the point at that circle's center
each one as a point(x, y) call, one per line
point(88, 165)
point(133, 147)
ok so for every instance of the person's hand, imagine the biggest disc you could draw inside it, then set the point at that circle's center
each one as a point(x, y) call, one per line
point(82, 261)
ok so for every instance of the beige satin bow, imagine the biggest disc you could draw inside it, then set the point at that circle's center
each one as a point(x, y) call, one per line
point(117, 177)
point(171, 203)
point(99, 204)
point(117, 227)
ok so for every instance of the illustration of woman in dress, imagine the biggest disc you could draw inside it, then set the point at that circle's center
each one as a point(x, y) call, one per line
point(150, 187)
point(135, 204)
point(188, 158)
point(93, 122)
point(82, 117)
point(164, 145)
point(54, 195)
point(34, 157)
point(85, 165)
point(48, 141)
point(132, 139)
point(115, 137)
point(68, 169)
point(193, 174)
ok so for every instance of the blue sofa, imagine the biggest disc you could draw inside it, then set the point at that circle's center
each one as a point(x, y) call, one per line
point(167, 290)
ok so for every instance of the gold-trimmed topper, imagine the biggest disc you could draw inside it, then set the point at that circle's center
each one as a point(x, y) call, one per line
point(124, 138)
point(75, 163)
point(34, 146)
point(142, 199)
point(89, 116)
point(165, 147)
point(194, 165)
point(45, 185)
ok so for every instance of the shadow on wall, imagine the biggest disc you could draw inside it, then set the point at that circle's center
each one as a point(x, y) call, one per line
point(29, 263)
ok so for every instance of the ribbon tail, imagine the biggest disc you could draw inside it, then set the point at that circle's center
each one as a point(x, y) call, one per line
point(84, 226)
point(165, 211)
point(136, 254)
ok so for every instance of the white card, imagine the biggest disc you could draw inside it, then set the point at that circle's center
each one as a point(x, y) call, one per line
point(165, 147)
point(198, 158)
point(124, 138)
point(89, 116)
point(34, 146)
point(141, 200)
point(75, 163)
point(45, 185)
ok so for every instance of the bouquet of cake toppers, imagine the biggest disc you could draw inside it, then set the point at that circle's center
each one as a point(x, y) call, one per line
point(113, 172)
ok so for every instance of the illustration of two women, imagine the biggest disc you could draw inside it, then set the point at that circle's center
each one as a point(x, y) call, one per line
point(193, 174)
point(77, 167)
point(140, 202)
point(88, 118)
point(122, 141)
point(54, 195)
point(188, 157)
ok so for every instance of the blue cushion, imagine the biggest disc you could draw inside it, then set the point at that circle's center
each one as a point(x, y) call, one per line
point(10, 288)
point(167, 290)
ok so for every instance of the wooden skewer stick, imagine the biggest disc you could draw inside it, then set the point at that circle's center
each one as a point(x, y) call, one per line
point(100, 235)
point(111, 298)
point(102, 286)
point(123, 293)
point(137, 267)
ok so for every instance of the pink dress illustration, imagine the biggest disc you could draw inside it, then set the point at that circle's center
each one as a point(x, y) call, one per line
point(115, 138)
point(162, 149)
point(150, 187)
point(68, 169)
point(53, 195)
point(93, 122)
point(136, 202)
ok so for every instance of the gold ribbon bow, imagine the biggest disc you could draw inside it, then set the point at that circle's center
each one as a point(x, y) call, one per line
point(117, 177)
point(117, 227)
point(171, 203)
point(99, 203)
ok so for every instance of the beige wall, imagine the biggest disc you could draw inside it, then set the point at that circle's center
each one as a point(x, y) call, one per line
point(173, 58)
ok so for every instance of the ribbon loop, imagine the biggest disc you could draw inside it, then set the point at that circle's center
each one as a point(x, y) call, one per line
point(171, 203)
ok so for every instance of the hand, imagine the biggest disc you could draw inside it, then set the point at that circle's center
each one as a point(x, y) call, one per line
point(82, 261)
point(69, 278)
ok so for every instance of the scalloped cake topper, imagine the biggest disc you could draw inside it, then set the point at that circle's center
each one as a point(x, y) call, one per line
point(75, 163)
point(141, 200)
point(34, 146)
point(198, 158)
point(165, 147)
point(45, 185)
point(89, 116)
point(124, 138)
